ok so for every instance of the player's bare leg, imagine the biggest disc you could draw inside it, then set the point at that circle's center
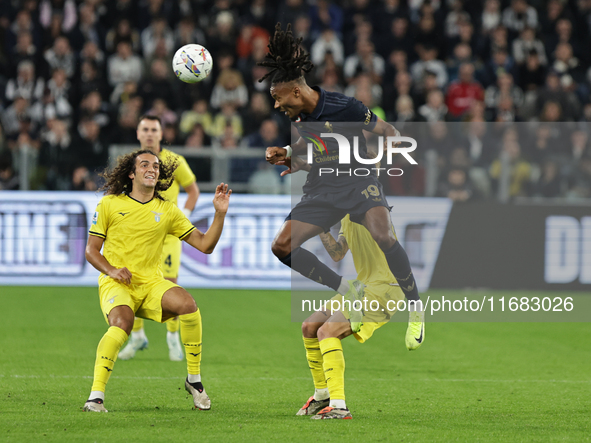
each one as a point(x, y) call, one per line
point(173, 340)
point(120, 322)
point(178, 302)
point(377, 221)
point(287, 248)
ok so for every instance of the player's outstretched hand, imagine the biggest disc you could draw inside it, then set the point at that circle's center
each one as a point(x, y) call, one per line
point(121, 274)
point(294, 164)
point(275, 154)
point(221, 200)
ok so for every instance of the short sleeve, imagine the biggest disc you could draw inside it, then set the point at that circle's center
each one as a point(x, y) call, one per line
point(100, 219)
point(180, 227)
point(183, 173)
point(358, 112)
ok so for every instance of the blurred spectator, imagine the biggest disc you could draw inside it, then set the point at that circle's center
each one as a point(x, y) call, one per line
point(14, 114)
point(8, 179)
point(262, 13)
point(290, 10)
point(462, 53)
point(55, 103)
point(158, 85)
point(148, 11)
point(532, 75)
point(435, 109)
point(397, 38)
point(170, 135)
point(89, 29)
point(580, 145)
point(428, 62)
point(249, 32)
point(64, 9)
point(89, 148)
point(25, 84)
point(454, 17)
point(503, 88)
point(301, 29)
point(525, 44)
point(24, 49)
point(257, 112)
point(328, 42)
point(364, 82)
point(92, 53)
point(331, 81)
point(93, 108)
point(124, 66)
point(501, 61)
point(54, 161)
point(520, 15)
point(565, 63)
point(82, 180)
point(364, 60)
point(554, 92)
point(223, 36)
point(553, 12)
point(326, 14)
point(122, 31)
point(197, 138)
point(186, 32)
point(267, 135)
point(491, 15)
point(549, 184)
point(520, 170)
point(265, 180)
point(60, 56)
point(161, 110)
point(158, 30)
point(228, 117)
point(456, 185)
point(199, 114)
point(22, 23)
point(89, 80)
point(579, 180)
point(464, 91)
point(229, 88)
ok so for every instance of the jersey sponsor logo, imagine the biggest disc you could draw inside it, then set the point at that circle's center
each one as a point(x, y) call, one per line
point(157, 215)
point(123, 213)
point(367, 118)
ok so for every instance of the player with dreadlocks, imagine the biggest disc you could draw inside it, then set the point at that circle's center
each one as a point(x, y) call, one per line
point(327, 199)
point(131, 221)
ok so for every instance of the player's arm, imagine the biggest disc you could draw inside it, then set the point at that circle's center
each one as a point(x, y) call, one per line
point(294, 164)
point(96, 259)
point(337, 249)
point(193, 192)
point(386, 129)
point(205, 242)
point(276, 154)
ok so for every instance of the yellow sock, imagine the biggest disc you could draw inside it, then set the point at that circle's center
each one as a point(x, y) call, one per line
point(334, 367)
point(173, 324)
point(106, 354)
point(138, 323)
point(314, 357)
point(191, 336)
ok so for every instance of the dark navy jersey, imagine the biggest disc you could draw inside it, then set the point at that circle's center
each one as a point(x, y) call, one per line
point(339, 114)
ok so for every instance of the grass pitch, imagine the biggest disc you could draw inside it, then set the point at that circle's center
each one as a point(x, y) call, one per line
point(469, 381)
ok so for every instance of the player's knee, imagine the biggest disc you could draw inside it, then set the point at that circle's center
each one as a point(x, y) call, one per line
point(309, 330)
point(326, 331)
point(281, 247)
point(385, 240)
point(188, 306)
point(123, 323)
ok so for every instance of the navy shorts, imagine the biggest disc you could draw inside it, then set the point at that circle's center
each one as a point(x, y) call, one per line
point(327, 209)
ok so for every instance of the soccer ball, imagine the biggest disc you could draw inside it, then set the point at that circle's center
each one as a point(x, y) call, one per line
point(192, 63)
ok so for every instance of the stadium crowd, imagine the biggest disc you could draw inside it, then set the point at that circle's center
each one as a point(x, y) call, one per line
point(486, 78)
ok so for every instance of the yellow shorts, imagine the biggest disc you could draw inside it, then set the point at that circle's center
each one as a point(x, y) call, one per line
point(379, 305)
point(144, 299)
point(171, 256)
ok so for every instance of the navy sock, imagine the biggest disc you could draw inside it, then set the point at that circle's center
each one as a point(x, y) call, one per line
point(307, 264)
point(400, 267)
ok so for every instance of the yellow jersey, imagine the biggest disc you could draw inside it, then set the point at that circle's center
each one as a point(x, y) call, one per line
point(183, 176)
point(370, 262)
point(134, 232)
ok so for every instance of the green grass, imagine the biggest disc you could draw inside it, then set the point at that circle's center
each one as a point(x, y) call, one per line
point(469, 381)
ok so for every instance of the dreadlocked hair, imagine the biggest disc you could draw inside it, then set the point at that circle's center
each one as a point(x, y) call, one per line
point(286, 58)
point(117, 180)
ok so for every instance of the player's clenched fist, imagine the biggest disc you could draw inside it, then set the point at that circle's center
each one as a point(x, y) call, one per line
point(275, 154)
point(221, 200)
point(121, 274)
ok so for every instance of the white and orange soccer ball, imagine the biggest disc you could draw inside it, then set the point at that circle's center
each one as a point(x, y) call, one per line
point(192, 63)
